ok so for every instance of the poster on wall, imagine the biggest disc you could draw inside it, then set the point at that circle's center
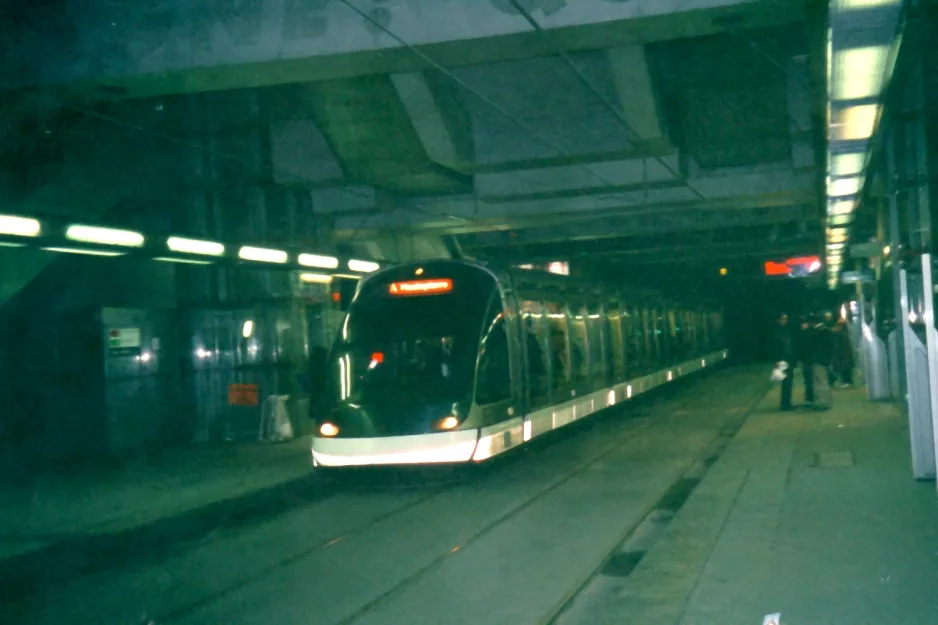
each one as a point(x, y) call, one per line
point(123, 342)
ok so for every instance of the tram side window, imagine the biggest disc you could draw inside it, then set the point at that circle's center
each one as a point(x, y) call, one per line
point(493, 383)
point(682, 336)
point(687, 322)
point(557, 325)
point(535, 338)
point(617, 342)
point(694, 332)
point(652, 351)
point(598, 353)
point(718, 329)
point(666, 336)
point(675, 335)
point(579, 354)
point(632, 328)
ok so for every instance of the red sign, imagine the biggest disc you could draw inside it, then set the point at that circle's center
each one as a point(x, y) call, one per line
point(433, 286)
point(242, 395)
point(773, 268)
point(800, 265)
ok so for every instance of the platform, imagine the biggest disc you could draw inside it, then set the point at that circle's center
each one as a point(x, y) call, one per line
point(698, 505)
point(811, 514)
point(73, 518)
point(523, 533)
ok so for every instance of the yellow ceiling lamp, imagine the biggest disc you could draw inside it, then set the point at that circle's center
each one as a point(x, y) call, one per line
point(844, 186)
point(847, 164)
point(859, 72)
point(856, 123)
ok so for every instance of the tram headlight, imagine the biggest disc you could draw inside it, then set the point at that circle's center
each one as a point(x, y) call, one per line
point(328, 429)
point(447, 423)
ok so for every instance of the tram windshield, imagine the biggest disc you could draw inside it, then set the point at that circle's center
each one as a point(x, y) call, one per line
point(416, 349)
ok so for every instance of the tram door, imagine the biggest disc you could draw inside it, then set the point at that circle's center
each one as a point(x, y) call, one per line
point(495, 392)
point(534, 342)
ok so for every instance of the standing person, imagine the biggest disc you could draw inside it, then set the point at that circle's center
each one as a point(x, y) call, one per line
point(785, 352)
point(842, 352)
point(822, 341)
point(829, 326)
point(806, 352)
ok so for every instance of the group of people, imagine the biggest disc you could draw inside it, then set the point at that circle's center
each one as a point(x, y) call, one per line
point(821, 347)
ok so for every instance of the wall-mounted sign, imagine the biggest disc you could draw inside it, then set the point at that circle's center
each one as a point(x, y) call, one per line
point(870, 249)
point(123, 342)
point(242, 395)
point(851, 277)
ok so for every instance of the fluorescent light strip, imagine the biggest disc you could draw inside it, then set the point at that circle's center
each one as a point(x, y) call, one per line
point(842, 207)
point(315, 278)
point(195, 246)
point(262, 255)
point(189, 261)
point(19, 226)
point(78, 250)
point(104, 236)
point(856, 122)
point(8, 244)
point(365, 266)
point(865, 4)
point(847, 164)
point(859, 72)
point(844, 186)
point(315, 260)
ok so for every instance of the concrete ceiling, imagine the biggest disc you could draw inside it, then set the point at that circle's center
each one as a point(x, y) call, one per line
point(627, 133)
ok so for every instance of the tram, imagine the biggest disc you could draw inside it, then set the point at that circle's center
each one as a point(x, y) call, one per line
point(454, 361)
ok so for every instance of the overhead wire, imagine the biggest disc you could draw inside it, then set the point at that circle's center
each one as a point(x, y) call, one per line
point(291, 177)
point(767, 56)
point(344, 189)
point(462, 83)
point(618, 114)
point(270, 170)
point(605, 100)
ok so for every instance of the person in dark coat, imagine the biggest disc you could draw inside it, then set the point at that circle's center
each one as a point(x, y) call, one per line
point(842, 353)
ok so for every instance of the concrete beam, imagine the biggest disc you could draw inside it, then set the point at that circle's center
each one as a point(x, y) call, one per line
point(403, 248)
point(427, 118)
point(627, 251)
point(162, 47)
point(602, 175)
point(460, 214)
point(637, 98)
point(300, 154)
point(648, 224)
point(345, 200)
point(780, 249)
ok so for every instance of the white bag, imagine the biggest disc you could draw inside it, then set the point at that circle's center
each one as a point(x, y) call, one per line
point(275, 420)
point(778, 373)
point(282, 419)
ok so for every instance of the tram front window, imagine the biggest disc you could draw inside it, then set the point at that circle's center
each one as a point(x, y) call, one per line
point(401, 363)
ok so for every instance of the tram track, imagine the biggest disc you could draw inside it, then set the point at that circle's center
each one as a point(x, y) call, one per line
point(465, 543)
point(183, 611)
point(670, 502)
point(637, 420)
point(180, 613)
